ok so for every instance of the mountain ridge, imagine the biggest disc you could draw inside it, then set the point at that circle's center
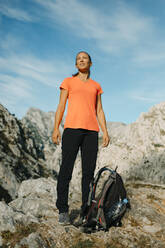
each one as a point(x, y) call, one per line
point(29, 165)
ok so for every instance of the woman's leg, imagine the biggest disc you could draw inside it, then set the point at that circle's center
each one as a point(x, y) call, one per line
point(71, 140)
point(64, 177)
point(89, 150)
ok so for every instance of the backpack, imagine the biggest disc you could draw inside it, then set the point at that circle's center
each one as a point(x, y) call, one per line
point(108, 207)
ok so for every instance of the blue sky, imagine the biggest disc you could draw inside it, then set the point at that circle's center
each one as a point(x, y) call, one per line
point(39, 41)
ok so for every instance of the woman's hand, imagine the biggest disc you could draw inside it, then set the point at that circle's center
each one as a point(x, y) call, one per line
point(106, 139)
point(56, 137)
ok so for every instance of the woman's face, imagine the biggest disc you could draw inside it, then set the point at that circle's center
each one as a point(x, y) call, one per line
point(83, 62)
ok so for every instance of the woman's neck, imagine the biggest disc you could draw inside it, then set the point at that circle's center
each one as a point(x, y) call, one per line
point(84, 76)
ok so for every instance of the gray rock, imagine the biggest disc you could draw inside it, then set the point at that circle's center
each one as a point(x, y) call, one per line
point(141, 225)
point(41, 126)
point(138, 148)
point(36, 197)
point(10, 217)
point(34, 240)
point(1, 241)
point(6, 218)
point(20, 157)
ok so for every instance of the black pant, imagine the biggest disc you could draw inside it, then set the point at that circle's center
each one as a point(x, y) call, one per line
point(72, 140)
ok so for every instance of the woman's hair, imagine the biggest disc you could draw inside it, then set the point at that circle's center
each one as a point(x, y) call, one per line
point(90, 60)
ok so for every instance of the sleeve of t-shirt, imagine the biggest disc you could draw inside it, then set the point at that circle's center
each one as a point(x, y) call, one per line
point(99, 90)
point(64, 84)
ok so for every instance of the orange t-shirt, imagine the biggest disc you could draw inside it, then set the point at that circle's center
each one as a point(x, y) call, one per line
point(81, 112)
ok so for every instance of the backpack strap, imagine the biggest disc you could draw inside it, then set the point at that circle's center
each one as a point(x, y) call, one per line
point(100, 172)
point(111, 179)
point(100, 215)
point(93, 184)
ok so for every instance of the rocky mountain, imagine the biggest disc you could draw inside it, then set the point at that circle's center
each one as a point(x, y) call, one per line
point(29, 161)
point(139, 147)
point(20, 155)
point(41, 125)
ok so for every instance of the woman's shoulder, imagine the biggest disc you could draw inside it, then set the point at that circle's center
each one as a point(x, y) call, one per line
point(68, 79)
point(95, 82)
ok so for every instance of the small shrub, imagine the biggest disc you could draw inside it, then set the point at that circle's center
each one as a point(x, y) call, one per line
point(152, 197)
point(21, 232)
point(133, 222)
point(84, 244)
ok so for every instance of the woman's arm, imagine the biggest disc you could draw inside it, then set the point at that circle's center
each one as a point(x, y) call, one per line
point(102, 121)
point(56, 136)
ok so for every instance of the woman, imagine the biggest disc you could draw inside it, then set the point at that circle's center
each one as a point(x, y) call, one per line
point(80, 131)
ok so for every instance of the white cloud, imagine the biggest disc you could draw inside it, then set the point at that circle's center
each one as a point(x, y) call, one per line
point(15, 13)
point(120, 29)
point(19, 78)
point(148, 86)
point(10, 43)
point(148, 94)
point(34, 70)
point(17, 86)
point(148, 99)
point(14, 90)
point(152, 56)
point(77, 16)
point(21, 73)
